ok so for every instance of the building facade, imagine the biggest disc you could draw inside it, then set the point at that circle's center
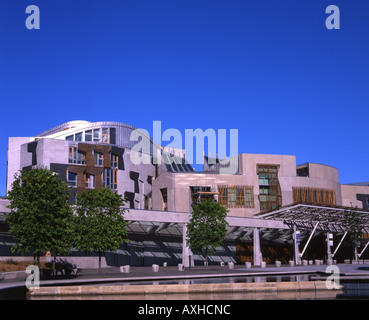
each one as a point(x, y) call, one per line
point(100, 154)
point(95, 155)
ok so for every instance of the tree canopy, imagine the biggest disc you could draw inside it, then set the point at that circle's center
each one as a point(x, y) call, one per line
point(354, 224)
point(207, 227)
point(100, 224)
point(40, 216)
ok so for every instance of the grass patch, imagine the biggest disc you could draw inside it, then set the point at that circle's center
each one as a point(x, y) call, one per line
point(12, 265)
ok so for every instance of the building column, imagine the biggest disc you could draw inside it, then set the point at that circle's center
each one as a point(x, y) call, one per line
point(187, 256)
point(257, 252)
point(329, 250)
point(296, 242)
point(185, 248)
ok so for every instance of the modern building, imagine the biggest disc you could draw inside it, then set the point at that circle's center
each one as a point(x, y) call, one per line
point(104, 154)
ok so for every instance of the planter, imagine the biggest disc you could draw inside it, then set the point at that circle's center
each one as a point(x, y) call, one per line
point(278, 264)
point(180, 267)
point(230, 265)
point(248, 265)
point(125, 269)
point(155, 268)
point(291, 263)
point(263, 264)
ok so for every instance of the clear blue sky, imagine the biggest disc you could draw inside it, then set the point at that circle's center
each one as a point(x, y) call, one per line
point(268, 68)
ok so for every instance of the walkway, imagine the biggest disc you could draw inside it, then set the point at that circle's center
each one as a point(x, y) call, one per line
point(170, 273)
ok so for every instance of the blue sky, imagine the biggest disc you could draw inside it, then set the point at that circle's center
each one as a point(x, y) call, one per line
point(270, 69)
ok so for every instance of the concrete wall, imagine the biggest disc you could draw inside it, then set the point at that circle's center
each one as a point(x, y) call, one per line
point(349, 195)
point(126, 184)
point(178, 184)
point(14, 158)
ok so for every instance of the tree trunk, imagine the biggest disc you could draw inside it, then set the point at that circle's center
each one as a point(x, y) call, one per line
point(54, 271)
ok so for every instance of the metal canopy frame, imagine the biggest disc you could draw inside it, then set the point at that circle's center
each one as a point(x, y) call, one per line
point(313, 218)
point(330, 219)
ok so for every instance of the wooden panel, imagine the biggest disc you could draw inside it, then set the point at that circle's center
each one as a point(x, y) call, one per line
point(315, 196)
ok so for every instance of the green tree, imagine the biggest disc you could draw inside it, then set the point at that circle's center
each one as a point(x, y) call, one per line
point(207, 227)
point(354, 224)
point(100, 224)
point(40, 216)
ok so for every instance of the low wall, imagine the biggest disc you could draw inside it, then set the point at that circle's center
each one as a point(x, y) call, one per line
point(94, 290)
point(15, 275)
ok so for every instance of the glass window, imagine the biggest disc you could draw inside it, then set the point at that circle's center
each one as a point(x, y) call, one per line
point(96, 135)
point(71, 178)
point(232, 195)
point(70, 154)
point(75, 156)
point(81, 157)
point(105, 135)
point(115, 174)
point(263, 179)
point(78, 136)
point(109, 178)
point(88, 135)
point(196, 196)
point(89, 181)
point(264, 190)
point(99, 159)
point(114, 160)
point(236, 196)
point(164, 195)
point(70, 138)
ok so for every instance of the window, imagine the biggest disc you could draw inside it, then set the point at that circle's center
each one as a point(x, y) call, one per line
point(99, 159)
point(164, 195)
point(236, 196)
point(89, 181)
point(231, 197)
point(72, 150)
point(196, 195)
point(71, 178)
point(264, 190)
point(109, 178)
point(70, 138)
point(105, 135)
point(75, 156)
point(263, 179)
point(114, 160)
point(96, 135)
point(269, 188)
point(78, 136)
point(88, 135)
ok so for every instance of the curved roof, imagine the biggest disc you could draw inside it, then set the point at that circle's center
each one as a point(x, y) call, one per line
point(122, 132)
point(76, 124)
